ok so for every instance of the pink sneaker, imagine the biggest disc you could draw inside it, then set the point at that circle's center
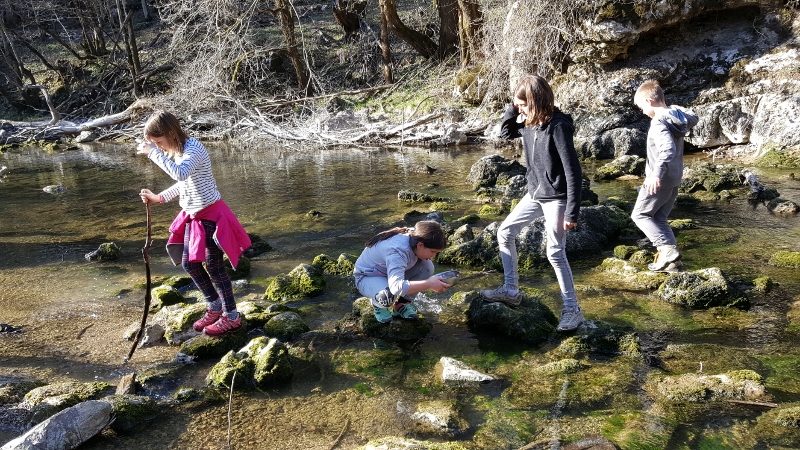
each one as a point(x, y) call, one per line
point(223, 326)
point(208, 319)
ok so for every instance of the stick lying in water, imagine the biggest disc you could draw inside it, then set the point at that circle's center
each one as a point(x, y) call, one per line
point(147, 295)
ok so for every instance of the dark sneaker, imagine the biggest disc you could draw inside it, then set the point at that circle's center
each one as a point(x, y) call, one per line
point(382, 315)
point(405, 311)
point(571, 319)
point(223, 326)
point(501, 295)
point(666, 255)
point(209, 318)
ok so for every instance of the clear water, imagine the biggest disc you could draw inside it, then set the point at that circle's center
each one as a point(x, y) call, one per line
point(74, 311)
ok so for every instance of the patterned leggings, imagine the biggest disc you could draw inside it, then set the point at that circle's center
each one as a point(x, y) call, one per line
point(213, 274)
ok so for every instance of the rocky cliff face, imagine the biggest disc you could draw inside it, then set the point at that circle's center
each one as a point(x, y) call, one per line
point(735, 63)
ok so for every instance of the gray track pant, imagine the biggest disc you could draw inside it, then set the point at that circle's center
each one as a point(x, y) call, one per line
point(650, 215)
point(526, 211)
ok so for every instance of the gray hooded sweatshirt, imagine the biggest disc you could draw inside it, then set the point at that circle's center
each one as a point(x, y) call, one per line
point(665, 144)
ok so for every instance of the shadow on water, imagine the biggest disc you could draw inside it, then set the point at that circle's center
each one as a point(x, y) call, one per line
point(74, 311)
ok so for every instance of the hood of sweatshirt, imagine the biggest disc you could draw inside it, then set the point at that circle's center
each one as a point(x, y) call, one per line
point(678, 120)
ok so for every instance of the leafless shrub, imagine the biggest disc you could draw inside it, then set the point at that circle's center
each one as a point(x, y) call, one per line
point(528, 36)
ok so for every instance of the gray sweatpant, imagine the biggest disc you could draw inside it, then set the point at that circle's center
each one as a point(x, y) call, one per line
point(650, 215)
point(524, 213)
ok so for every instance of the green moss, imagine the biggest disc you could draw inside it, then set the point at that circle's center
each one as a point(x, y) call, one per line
point(682, 224)
point(303, 281)
point(743, 375)
point(777, 156)
point(624, 251)
point(491, 211)
point(342, 266)
point(470, 219)
point(441, 206)
point(785, 258)
point(788, 417)
point(763, 285)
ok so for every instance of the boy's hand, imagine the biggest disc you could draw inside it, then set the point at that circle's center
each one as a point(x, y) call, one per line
point(652, 185)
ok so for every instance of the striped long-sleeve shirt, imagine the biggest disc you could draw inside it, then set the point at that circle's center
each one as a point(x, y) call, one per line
point(195, 185)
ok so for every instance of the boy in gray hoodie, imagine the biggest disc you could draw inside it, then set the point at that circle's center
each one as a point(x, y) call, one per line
point(663, 171)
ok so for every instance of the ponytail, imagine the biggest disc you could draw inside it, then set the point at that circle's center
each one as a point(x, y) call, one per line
point(429, 232)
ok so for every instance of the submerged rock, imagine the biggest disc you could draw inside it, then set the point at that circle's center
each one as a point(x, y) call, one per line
point(106, 252)
point(694, 388)
point(454, 372)
point(398, 330)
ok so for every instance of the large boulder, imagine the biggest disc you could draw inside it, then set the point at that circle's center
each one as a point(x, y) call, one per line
point(493, 169)
point(67, 429)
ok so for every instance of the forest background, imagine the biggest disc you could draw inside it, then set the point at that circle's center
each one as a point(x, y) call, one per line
point(259, 69)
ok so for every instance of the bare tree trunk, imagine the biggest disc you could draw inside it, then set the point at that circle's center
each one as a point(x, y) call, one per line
point(448, 28)
point(145, 10)
point(129, 39)
point(418, 41)
point(386, 50)
point(469, 30)
point(287, 26)
point(55, 116)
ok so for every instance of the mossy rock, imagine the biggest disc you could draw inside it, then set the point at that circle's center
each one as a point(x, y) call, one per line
point(479, 252)
point(242, 268)
point(203, 346)
point(257, 246)
point(779, 427)
point(178, 281)
point(702, 289)
point(641, 258)
point(414, 197)
point(785, 258)
point(179, 319)
point(530, 322)
point(778, 158)
point(745, 385)
point(763, 285)
point(304, 281)
point(108, 251)
point(285, 326)
point(441, 206)
point(273, 364)
point(469, 219)
point(398, 330)
point(131, 410)
point(624, 251)
point(233, 363)
point(165, 295)
point(52, 398)
point(13, 390)
point(601, 338)
point(682, 224)
point(616, 201)
point(342, 266)
point(491, 211)
point(625, 273)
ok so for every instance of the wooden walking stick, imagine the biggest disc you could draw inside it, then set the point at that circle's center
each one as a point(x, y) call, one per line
point(147, 294)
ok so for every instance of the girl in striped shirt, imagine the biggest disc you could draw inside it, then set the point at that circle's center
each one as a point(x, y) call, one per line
point(205, 228)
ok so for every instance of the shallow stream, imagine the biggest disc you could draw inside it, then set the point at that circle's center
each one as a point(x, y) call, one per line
point(74, 311)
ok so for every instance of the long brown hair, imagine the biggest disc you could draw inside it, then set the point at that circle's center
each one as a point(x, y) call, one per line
point(429, 232)
point(535, 91)
point(164, 124)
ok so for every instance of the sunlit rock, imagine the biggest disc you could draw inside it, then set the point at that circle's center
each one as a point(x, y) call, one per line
point(456, 373)
point(304, 281)
point(285, 325)
point(701, 289)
